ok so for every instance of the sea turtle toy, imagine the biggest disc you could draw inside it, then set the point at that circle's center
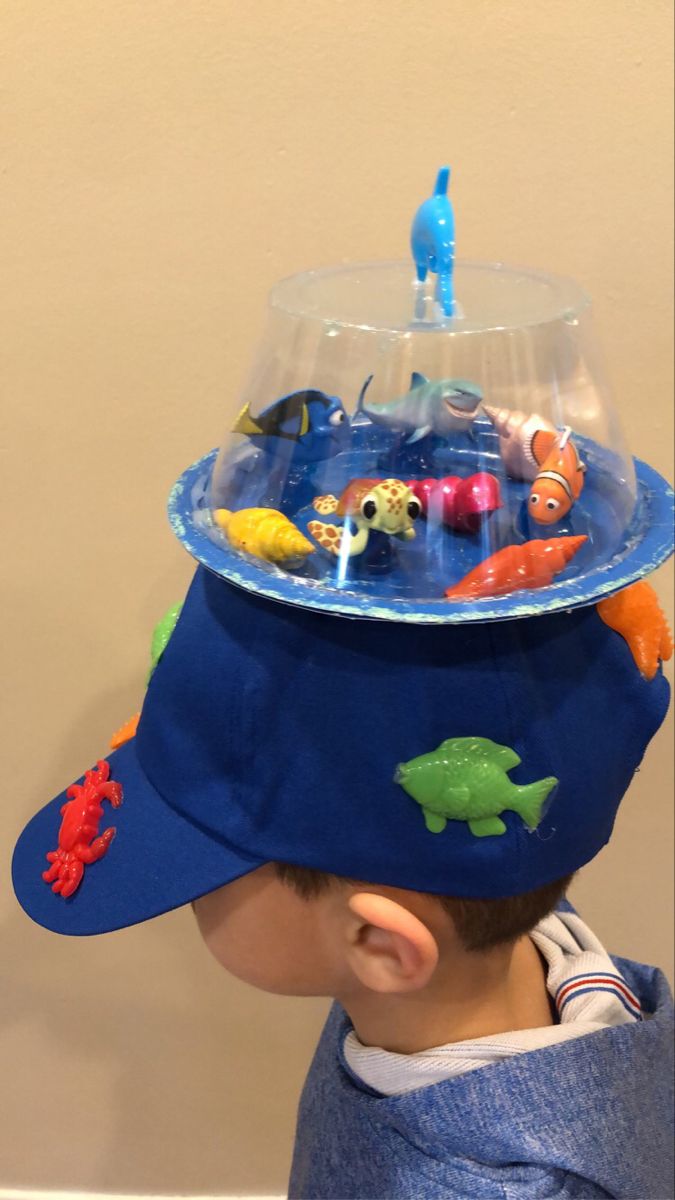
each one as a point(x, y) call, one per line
point(374, 509)
point(465, 780)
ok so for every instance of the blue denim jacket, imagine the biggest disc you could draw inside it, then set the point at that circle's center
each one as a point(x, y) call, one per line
point(590, 1117)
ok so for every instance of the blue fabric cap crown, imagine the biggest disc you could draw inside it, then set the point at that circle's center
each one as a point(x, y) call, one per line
point(273, 733)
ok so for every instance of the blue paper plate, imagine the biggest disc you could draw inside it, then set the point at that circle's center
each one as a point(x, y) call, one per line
point(621, 547)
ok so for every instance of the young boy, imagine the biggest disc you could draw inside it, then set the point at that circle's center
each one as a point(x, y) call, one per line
point(388, 814)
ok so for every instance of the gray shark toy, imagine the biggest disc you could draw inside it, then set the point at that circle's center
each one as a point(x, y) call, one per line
point(440, 406)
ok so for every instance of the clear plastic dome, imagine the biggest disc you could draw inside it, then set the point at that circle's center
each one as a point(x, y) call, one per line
point(389, 461)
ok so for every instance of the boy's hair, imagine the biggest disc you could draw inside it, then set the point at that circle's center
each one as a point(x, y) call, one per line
point(480, 924)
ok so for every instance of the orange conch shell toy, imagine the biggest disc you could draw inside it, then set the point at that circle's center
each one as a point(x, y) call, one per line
point(636, 614)
point(531, 565)
point(524, 440)
point(558, 481)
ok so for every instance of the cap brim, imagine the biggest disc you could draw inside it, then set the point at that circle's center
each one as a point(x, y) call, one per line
point(157, 861)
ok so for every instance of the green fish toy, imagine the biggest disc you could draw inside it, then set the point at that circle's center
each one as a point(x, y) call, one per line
point(465, 780)
point(161, 634)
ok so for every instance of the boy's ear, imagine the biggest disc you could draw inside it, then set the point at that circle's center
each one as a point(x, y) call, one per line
point(390, 949)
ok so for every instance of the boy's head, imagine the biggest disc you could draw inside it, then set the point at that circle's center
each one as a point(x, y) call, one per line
point(271, 734)
point(297, 931)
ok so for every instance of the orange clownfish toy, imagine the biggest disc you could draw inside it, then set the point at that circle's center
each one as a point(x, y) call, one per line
point(558, 482)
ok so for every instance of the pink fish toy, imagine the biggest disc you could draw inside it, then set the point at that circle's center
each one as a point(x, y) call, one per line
point(463, 504)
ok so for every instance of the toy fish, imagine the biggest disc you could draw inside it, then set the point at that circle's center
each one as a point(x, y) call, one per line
point(161, 635)
point(465, 780)
point(160, 640)
point(636, 614)
point(372, 506)
point(310, 424)
point(530, 565)
point(440, 406)
point(558, 482)
point(265, 533)
point(462, 504)
point(524, 440)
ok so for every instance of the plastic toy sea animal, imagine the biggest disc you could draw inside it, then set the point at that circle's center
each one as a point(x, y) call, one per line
point(462, 504)
point(161, 634)
point(265, 533)
point(636, 614)
point(440, 406)
point(307, 426)
point(558, 482)
point(385, 506)
point(125, 733)
point(432, 240)
point(160, 640)
point(79, 845)
point(524, 440)
point(465, 780)
point(530, 565)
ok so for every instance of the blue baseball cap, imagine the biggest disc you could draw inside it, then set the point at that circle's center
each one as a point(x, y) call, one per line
point(271, 732)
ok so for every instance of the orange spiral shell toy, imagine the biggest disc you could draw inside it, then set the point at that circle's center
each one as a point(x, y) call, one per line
point(531, 565)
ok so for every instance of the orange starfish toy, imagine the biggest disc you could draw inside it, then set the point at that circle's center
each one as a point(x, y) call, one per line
point(636, 614)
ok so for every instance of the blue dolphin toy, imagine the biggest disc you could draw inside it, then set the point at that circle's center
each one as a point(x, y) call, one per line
point(432, 240)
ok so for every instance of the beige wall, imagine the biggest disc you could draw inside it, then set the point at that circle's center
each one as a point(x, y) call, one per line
point(164, 163)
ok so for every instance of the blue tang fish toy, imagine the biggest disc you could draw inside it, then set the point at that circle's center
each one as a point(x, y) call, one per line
point(440, 406)
point(305, 426)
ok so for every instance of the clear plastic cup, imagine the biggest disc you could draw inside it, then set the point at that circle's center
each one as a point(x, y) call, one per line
point(391, 462)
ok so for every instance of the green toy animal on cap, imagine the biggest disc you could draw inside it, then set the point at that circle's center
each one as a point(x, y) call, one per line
point(465, 780)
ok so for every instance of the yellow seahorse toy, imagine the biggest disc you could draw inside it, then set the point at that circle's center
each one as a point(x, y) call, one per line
point(265, 533)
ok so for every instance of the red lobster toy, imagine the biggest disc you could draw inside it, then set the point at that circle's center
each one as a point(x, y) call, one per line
point(78, 843)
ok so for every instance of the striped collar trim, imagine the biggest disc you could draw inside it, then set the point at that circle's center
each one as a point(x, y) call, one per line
point(598, 981)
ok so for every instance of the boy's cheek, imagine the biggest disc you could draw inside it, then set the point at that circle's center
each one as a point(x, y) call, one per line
point(253, 951)
point(219, 932)
point(273, 945)
point(224, 941)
